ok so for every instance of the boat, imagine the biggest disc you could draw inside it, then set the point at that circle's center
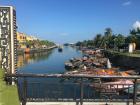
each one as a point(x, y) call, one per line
point(60, 48)
point(69, 65)
point(27, 51)
point(113, 86)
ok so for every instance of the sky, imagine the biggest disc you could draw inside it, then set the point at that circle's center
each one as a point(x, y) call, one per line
point(70, 21)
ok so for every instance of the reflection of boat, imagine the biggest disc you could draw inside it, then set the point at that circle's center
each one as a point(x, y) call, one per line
point(113, 86)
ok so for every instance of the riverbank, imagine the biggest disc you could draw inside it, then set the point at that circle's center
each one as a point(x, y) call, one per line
point(8, 93)
point(92, 63)
point(126, 60)
point(135, 54)
point(35, 50)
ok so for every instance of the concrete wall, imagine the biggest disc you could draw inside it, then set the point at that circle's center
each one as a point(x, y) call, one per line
point(123, 60)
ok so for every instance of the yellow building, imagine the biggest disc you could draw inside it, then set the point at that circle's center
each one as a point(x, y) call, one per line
point(22, 38)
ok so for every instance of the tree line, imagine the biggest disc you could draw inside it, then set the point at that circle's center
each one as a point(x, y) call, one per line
point(109, 40)
point(39, 43)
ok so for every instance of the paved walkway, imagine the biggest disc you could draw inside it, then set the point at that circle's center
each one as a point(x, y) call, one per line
point(74, 103)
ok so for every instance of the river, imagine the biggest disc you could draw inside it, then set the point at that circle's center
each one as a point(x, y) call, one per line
point(47, 62)
point(51, 61)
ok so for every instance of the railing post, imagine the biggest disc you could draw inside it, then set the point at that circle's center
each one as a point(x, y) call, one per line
point(24, 91)
point(81, 91)
point(135, 92)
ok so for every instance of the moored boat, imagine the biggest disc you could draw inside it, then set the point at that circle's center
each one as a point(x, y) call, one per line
point(69, 65)
point(60, 48)
point(116, 85)
point(27, 50)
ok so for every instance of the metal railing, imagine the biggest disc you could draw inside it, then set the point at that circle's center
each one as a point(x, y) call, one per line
point(75, 88)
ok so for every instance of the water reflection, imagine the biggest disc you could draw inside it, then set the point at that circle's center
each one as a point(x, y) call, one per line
point(46, 62)
point(32, 58)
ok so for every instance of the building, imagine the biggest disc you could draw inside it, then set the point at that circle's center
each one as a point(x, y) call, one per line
point(31, 38)
point(8, 39)
point(23, 38)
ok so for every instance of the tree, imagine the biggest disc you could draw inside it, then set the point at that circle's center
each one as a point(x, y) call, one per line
point(97, 40)
point(119, 41)
point(107, 37)
point(108, 32)
point(79, 43)
point(134, 37)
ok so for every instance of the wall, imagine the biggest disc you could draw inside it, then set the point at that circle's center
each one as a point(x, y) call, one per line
point(123, 60)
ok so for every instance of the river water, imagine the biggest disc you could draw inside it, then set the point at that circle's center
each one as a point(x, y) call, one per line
point(47, 62)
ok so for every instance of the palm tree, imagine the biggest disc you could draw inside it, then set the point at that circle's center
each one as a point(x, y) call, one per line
point(97, 40)
point(108, 37)
point(119, 41)
point(134, 37)
point(108, 32)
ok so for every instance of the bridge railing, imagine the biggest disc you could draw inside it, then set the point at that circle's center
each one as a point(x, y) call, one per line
point(77, 88)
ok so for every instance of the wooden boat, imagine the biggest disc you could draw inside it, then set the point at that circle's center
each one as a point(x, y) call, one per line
point(69, 65)
point(115, 86)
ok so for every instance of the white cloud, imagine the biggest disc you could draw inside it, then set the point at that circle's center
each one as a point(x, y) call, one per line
point(126, 3)
point(64, 34)
point(136, 25)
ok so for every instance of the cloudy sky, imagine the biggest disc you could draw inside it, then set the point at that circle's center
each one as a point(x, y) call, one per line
point(72, 20)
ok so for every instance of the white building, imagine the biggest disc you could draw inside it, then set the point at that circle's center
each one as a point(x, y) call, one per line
point(8, 39)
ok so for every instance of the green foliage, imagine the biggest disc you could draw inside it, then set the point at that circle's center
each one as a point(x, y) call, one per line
point(134, 37)
point(86, 43)
point(109, 40)
point(39, 43)
point(98, 40)
point(46, 42)
point(119, 40)
point(8, 94)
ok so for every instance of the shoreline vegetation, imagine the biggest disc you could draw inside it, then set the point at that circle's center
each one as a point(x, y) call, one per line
point(8, 93)
point(117, 46)
point(115, 42)
point(31, 46)
point(135, 54)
